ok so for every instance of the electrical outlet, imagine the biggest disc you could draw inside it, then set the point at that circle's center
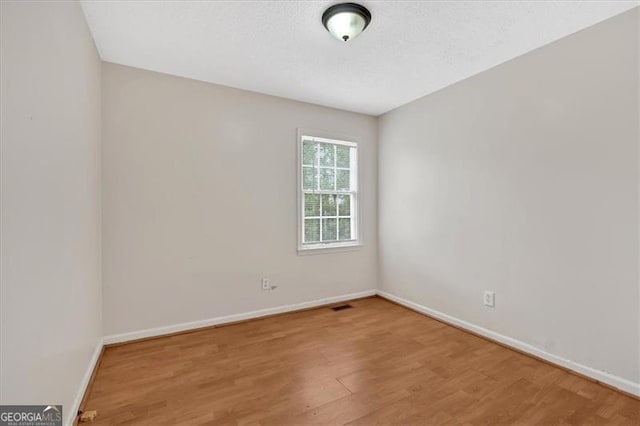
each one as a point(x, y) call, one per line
point(489, 298)
point(266, 284)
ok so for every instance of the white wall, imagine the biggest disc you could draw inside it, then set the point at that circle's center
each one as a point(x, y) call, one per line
point(199, 196)
point(50, 145)
point(524, 180)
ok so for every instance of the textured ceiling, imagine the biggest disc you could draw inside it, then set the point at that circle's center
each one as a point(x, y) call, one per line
point(281, 48)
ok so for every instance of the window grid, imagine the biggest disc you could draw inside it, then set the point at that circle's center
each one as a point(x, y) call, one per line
point(337, 216)
point(318, 165)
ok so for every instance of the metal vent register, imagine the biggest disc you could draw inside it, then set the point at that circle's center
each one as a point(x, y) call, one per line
point(341, 307)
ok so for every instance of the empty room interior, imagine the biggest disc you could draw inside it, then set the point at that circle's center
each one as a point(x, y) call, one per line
point(313, 212)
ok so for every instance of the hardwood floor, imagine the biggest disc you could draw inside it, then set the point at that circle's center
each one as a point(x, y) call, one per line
point(373, 364)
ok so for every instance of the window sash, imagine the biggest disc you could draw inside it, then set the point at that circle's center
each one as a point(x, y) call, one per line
point(353, 223)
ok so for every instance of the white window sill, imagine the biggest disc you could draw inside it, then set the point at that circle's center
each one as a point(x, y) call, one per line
point(329, 248)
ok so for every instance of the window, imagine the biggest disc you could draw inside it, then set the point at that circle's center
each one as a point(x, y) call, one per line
point(328, 205)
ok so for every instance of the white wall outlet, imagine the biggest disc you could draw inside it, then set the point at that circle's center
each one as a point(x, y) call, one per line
point(266, 284)
point(489, 298)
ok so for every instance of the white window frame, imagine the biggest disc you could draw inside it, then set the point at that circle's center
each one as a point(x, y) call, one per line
point(331, 246)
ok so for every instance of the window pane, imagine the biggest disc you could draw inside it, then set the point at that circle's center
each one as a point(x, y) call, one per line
point(329, 205)
point(326, 154)
point(308, 153)
point(311, 230)
point(343, 158)
point(345, 229)
point(326, 179)
point(344, 205)
point(308, 178)
point(329, 229)
point(342, 180)
point(311, 205)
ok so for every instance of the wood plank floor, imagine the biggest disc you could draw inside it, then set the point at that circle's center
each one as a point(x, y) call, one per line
point(376, 363)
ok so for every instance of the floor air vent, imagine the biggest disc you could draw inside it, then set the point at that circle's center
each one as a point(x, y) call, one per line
point(341, 307)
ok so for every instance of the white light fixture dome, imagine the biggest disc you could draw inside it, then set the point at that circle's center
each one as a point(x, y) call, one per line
point(346, 20)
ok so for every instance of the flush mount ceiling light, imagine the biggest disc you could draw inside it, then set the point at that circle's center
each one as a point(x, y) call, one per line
point(346, 20)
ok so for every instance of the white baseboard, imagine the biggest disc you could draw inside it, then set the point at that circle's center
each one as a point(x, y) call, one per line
point(159, 331)
point(71, 415)
point(601, 376)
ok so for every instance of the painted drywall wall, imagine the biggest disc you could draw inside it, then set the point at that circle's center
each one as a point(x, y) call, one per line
point(638, 177)
point(523, 180)
point(199, 196)
point(50, 145)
